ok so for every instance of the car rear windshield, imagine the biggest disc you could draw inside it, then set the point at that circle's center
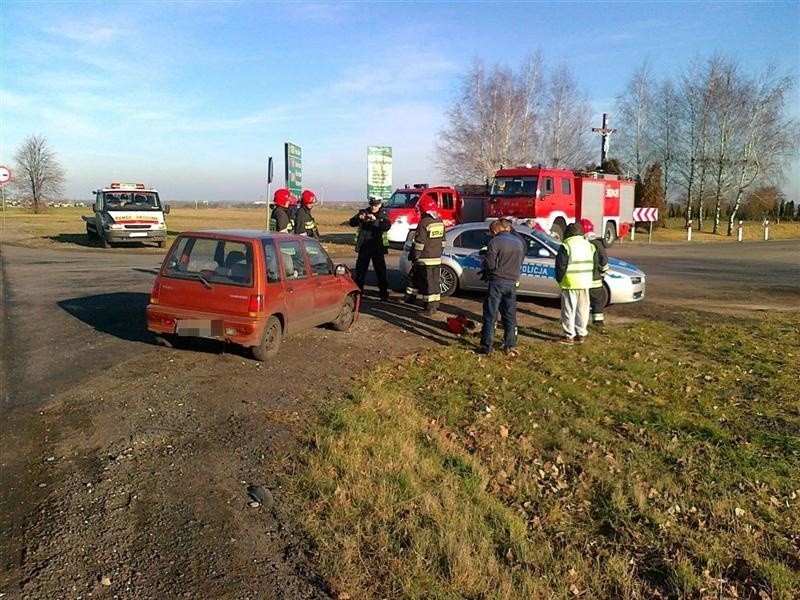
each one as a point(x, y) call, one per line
point(212, 260)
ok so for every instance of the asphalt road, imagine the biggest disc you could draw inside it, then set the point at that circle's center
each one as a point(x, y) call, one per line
point(69, 315)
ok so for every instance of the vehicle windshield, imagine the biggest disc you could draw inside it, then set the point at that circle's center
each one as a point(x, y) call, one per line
point(131, 200)
point(514, 186)
point(402, 199)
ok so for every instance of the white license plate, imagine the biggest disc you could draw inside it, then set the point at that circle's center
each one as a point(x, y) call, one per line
point(138, 234)
point(209, 328)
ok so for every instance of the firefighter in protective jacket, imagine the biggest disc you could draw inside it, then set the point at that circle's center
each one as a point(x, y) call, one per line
point(280, 220)
point(426, 257)
point(597, 295)
point(304, 223)
point(372, 244)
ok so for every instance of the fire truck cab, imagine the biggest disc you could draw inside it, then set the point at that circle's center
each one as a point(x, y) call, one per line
point(401, 207)
point(553, 198)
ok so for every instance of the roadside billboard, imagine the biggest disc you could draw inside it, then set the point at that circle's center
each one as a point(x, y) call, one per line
point(293, 159)
point(379, 171)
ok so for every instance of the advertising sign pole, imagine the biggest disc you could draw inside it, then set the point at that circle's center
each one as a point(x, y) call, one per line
point(269, 187)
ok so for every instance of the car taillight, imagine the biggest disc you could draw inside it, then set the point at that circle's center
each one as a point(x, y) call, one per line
point(155, 293)
point(256, 303)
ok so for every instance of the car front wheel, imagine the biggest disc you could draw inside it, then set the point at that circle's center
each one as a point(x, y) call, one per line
point(347, 314)
point(270, 341)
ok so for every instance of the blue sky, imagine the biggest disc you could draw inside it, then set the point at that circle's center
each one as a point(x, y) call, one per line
point(191, 97)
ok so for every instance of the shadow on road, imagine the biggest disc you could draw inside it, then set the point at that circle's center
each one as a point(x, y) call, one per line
point(121, 314)
point(78, 239)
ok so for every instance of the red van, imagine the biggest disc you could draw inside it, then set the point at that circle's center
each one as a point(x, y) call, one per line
point(250, 288)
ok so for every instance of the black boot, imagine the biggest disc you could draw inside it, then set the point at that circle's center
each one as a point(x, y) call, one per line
point(430, 309)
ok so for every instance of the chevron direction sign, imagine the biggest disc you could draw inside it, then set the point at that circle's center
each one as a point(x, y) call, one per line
point(645, 214)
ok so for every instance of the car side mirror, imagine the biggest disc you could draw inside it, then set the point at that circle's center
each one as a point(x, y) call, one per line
point(166, 209)
point(340, 270)
point(482, 251)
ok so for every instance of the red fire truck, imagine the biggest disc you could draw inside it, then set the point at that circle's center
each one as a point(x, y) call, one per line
point(553, 198)
point(401, 207)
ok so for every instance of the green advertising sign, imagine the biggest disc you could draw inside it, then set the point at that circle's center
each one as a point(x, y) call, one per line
point(292, 158)
point(379, 171)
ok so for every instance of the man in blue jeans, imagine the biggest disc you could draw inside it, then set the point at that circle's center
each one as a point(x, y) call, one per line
point(502, 267)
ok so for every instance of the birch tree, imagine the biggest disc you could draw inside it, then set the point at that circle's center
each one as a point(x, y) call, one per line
point(566, 121)
point(493, 122)
point(768, 138)
point(40, 177)
point(634, 107)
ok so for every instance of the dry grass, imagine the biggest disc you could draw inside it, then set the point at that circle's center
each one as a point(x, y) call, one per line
point(655, 462)
point(674, 230)
point(59, 226)
point(63, 227)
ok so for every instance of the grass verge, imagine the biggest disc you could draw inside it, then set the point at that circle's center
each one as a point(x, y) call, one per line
point(659, 461)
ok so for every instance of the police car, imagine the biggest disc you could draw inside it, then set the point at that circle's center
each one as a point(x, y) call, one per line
point(462, 262)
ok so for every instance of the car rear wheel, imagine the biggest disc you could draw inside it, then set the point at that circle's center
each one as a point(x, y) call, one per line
point(347, 314)
point(270, 340)
point(448, 281)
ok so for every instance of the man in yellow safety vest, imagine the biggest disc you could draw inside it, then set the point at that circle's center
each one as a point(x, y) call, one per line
point(575, 264)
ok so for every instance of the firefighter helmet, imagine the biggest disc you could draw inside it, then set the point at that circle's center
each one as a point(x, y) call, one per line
point(427, 204)
point(588, 226)
point(283, 197)
point(308, 198)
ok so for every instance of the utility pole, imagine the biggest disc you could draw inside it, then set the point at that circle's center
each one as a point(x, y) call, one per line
point(605, 132)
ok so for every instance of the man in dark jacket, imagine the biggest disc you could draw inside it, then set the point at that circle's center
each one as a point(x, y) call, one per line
point(372, 243)
point(502, 267)
point(597, 294)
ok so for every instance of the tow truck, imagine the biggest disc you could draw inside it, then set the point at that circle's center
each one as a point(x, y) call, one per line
point(126, 213)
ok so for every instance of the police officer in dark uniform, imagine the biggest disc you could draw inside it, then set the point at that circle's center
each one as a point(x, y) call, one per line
point(304, 223)
point(426, 257)
point(372, 244)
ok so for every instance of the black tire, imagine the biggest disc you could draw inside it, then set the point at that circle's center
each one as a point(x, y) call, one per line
point(610, 234)
point(347, 314)
point(448, 281)
point(270, 340)
point(558, 228)
point(160, 244)
point(167, 340)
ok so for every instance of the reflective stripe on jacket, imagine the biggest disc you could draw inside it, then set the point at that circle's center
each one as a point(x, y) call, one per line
point(580, 256)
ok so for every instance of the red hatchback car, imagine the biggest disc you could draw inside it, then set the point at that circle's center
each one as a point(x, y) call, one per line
point(250, 288)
